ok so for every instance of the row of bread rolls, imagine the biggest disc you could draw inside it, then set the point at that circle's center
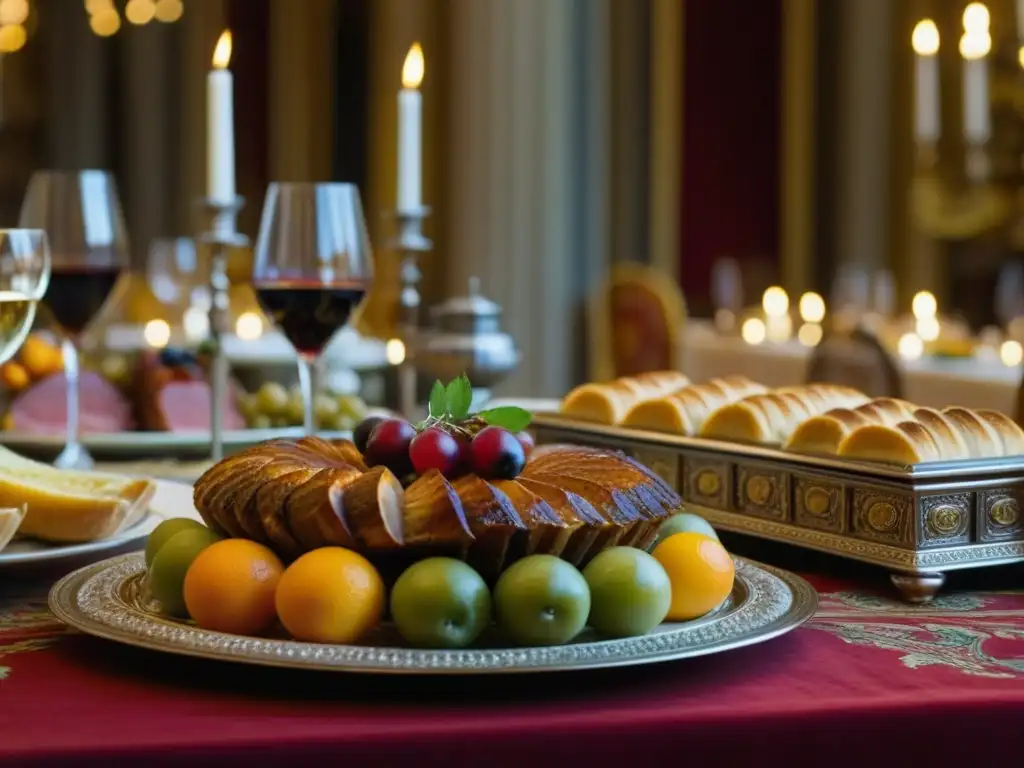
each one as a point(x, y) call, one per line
point(609, 402)
point(770, 418)
point(814, 418)
point(731, 408)
point(895, 432)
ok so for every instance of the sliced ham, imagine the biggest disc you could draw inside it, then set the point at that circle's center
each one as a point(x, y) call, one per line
point(42, 409)
point(185, 406)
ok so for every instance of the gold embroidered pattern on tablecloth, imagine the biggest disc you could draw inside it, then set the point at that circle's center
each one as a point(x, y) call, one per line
point(968, 632)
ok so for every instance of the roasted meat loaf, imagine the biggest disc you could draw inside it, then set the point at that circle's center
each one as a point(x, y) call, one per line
point(569, 501)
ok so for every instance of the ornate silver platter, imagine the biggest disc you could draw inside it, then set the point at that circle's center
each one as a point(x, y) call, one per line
point(106, 600)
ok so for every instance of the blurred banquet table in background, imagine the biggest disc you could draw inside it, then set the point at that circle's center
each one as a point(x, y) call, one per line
point(933, 382)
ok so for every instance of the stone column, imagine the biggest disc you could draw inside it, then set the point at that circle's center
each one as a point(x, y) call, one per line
point(527, 206)
point(864, 84)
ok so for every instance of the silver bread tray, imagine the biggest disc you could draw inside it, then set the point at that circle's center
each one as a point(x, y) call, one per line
point(918, 521)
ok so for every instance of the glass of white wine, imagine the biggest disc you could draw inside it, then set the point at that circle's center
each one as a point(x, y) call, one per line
point(24, 277)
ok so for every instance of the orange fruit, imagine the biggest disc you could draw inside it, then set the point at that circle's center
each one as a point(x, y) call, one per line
point(330, 595)
point(230, 587)
point(40, 358)
point(701, 573)
point(14, 376)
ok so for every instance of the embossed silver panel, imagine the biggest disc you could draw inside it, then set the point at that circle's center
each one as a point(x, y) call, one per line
point(944, 520)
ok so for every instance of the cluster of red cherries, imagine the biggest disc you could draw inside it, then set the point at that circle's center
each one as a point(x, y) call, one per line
point(492, 453)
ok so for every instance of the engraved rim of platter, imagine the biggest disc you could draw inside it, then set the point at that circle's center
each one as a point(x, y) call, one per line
point(765, 603)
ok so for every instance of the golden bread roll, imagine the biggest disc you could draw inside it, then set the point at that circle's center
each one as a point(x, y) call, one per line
point(609, 402)
point(684, 412)
point(823, 434)
point(949, 435)
point(771, 418)
point(1009, 432)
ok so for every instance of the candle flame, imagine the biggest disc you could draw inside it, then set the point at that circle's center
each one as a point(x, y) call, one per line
point(414, 67)
point(975, 45)
point(925, 39)
point(222, 53)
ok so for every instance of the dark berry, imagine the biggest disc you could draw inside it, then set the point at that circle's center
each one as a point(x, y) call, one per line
point(435, 449)
point(497, 454)
point(528, 443)
point(173, 357)
point(389, 446)
point(361, 434)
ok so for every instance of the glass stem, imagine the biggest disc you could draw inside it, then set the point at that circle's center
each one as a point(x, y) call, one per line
point(307, 386)
point(70, 354)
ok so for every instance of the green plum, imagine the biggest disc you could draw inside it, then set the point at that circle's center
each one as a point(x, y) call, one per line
point(542, 600)
point(684, 522)
point(165, 531)
point(440, 603)
point(167, 573)
point(630, 593)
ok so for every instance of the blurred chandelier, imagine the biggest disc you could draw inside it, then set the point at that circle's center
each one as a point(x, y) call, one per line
point(105, 20)
point(17, 17)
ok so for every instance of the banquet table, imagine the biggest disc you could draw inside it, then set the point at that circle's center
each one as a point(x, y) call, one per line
point(868, 680)
point(929, 381)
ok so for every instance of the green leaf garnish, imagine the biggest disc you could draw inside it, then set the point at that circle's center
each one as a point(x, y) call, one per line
point(459, 397)
point(438, 405)
point(509, 417)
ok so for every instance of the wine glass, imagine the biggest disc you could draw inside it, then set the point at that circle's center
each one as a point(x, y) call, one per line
point(172, 270)
point(312, 267)
point(81, 215)
point(24, 274)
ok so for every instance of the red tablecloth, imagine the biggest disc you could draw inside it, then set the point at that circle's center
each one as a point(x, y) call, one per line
point(869, 681)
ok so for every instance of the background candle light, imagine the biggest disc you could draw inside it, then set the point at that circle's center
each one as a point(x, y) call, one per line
point(925, 41)
point(220, 127)
point(410, 131)
point(975, 46)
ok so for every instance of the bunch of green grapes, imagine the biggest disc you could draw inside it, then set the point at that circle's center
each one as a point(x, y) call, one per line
point(272, 405)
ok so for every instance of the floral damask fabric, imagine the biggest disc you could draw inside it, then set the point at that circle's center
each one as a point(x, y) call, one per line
point(979, 634)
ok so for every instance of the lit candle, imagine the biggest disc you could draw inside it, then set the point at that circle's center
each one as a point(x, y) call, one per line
point(410, 131)
point(925, 41)
point(220, 125)
point(974, 48)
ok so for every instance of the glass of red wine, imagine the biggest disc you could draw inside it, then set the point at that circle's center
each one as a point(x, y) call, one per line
point(81, 215)
point(312, 267)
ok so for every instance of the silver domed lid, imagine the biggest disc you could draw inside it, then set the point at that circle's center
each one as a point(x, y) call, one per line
point(470, 305)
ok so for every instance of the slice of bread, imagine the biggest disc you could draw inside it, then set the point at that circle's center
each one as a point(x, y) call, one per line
point(65, 506)
point(10, 521)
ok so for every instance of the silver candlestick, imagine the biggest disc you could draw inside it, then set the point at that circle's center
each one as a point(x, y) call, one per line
point(221, 234)
point(410, 242)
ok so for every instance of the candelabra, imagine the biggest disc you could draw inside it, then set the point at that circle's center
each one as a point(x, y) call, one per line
point(410, 242)
point(221, 235)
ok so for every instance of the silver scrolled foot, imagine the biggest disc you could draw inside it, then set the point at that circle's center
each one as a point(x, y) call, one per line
point(74, 456)
point(918, 587)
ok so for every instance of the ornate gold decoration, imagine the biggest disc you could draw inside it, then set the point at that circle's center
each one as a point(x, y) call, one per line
point(759, 489)
point(882, 516)
point(1005, 513)
point(708, 483)
point(817, 501)
point(944, 520)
